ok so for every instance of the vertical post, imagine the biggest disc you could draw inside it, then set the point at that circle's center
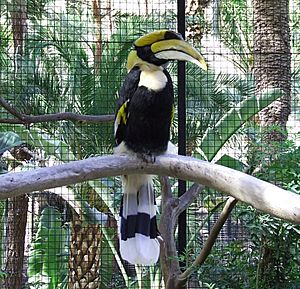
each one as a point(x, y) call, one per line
point(181, 127)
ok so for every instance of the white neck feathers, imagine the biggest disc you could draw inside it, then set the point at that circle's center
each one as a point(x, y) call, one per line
point(153, 79)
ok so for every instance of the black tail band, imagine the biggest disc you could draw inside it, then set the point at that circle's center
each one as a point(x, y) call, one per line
point(140, 223)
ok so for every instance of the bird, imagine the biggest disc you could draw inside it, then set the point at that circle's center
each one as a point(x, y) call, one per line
point(142, 124)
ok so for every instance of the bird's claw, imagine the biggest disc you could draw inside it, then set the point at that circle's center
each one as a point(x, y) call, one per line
point(147, 157)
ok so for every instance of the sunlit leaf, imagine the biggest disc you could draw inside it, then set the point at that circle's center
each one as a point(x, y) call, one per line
point(9, 140)
point(215, 137)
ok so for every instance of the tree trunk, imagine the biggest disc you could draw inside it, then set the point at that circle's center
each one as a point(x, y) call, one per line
point(19, 24)
point(16, 229)
point(18, 206)
point(272, 63)
point(194, 29)
point(98, 22)
point(272, 68)
point(84, 260)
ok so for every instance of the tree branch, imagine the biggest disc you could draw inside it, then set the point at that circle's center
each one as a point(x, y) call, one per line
point(168, 253)
point(171, 209)
point(212, 237)
point(260, 194)
point(188, 197)
point(166, 190)
point(21, 118)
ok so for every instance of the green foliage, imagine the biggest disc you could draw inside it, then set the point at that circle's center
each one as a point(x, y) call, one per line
point(212, 205)
point(231, 268)
point(6, 39)
point(209, 98)
point(278, 241)
point(268, 257)
point(39, 138)
point(232, 163)
point(237, 30)
point(108, 257)
point(214, 138)
point(279, 162)
point(47, 263)
point(210, 286)
point(217, 106)
point(58, 72)
point(277, 245)
point(9, 140)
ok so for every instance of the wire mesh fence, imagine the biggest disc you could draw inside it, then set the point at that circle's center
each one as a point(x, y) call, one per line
point(62, 64)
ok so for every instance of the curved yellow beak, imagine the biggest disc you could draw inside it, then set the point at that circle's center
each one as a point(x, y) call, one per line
point(176, 49)
point(164, 45)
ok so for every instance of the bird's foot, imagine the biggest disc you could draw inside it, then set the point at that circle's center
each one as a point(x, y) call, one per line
point(147, 157)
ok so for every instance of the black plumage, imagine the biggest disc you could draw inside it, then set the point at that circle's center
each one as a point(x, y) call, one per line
point(148, 115)
point(142, 128)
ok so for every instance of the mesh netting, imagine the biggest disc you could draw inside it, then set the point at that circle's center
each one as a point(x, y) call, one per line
point(62, 64)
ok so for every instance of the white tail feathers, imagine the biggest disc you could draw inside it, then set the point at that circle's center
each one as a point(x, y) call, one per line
point(140, 250)
point(137, 227)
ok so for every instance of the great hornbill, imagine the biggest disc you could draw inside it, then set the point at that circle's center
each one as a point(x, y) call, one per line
point(142, 127)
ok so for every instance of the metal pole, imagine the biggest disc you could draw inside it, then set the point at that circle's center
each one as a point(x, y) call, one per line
point(181, 127)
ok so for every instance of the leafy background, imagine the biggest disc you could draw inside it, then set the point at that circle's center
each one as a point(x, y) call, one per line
point(60, 70)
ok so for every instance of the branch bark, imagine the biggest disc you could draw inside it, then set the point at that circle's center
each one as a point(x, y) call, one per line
point(260, 194)
point(168, 253)
point(171, 209)
point(21, 118)
point(211, 240)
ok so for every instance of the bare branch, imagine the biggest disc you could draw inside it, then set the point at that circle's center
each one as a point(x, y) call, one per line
point(188, 197)
point(168, 253)
point(212, 237)
point(10, 108)
point(166, 190)
point(171, 209)
point(21, 118)
point(260, 194)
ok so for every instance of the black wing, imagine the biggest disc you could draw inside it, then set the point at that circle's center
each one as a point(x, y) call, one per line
point(128, 89)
